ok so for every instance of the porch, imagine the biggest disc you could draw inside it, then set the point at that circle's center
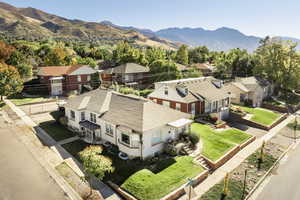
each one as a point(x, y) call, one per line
point(90, 132)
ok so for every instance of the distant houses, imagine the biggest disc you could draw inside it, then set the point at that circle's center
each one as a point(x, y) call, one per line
point(126, 74)
point(59, 80)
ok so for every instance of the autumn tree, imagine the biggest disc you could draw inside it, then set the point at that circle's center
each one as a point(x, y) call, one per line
point(10, 80)
point(5, 51)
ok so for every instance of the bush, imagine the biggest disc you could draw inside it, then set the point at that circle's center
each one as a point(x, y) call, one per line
point(170, 150)
point(194, 138)
point(63, 120)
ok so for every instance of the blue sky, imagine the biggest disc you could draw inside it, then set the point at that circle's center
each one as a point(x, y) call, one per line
point(252, 17)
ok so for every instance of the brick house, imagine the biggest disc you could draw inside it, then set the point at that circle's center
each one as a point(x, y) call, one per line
point(197, 96)
point(62, 79)
point(126, 74)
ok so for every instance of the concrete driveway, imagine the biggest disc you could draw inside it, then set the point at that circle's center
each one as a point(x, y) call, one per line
point(22, 177)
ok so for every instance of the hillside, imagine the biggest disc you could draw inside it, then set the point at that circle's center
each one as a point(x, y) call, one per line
point(31, 23)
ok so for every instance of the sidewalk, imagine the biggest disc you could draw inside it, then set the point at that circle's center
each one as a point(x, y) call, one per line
point(233, 163)
point(56, 155)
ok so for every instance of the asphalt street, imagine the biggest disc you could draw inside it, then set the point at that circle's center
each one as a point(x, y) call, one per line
point(285, 184)
point(21, 175)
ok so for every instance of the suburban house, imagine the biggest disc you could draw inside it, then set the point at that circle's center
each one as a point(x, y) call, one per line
point(181, 68)
point(204, 95)
point(137, 126)
point(259, 89)
point(127, 74)
point(239, 94)
point(205, 68)
point(62, 79)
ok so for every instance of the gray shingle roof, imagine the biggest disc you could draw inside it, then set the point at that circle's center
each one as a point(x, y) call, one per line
point(127, 68)
point(137, 113)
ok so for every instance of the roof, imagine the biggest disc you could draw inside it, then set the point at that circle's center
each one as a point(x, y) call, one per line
point(181, 67)
point(203, 66)
point(58, 70)
point(237, 85)
point(127, 69)
point(253, 82)
point(207, 88)
point(136, 113)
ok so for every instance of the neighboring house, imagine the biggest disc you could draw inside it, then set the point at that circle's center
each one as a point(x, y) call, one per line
point(239, 94)
point(127, 74)
point(259, 89)
point(181, 68)
point(136, 125)
point(205, 68)
point(62, 79)
point(193, 95)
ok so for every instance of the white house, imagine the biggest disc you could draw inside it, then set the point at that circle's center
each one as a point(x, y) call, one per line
point(137, 126)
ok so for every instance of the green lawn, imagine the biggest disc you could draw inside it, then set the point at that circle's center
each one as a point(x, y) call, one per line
point(215, 143)
point(146, 185)
point(19, 100)
point(56, 131)
point(262, 116)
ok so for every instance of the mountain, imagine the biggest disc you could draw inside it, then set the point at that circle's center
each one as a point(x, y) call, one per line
point(222, 39)
point(31, 23)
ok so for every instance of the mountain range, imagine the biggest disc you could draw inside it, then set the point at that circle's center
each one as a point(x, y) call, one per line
point(31, 23)
point(221, 39)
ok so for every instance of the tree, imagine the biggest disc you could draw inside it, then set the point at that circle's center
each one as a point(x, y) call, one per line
point(5, 51)
point(94, 163)
point(279, 62)
point(86, 61)
point(199, 54)
point(162, 70)
point(154, 54)
point(10, 80)
point(182, 55)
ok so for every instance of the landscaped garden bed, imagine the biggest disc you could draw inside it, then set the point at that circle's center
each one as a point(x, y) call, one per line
point(150, 179)
point(218, 143)
point(56, 130)
point(272, 152)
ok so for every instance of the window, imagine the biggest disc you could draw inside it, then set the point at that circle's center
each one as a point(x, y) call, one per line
point(109, 130)
point(166, 90)
point(125, 139)
point(82, 116)
point(207, 106)
point(156, 138)
point(193, 108)
point(88, 78)
point(79, 78)
point(166, 103)
point(93, 117)
point(178, 106)
point(72, 115)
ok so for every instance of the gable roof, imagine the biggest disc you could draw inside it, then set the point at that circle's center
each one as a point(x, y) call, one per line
point(59, 70)
point(136, 113)
point(127, 69)
point(198, 89)
point(253, 82)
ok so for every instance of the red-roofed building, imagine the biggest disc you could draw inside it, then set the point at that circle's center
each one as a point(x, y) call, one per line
point(62, 79)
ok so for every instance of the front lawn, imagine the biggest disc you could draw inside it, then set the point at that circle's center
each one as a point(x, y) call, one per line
point(56, 131)
point(218, 143)
point(146, 185)
point(261, 115)
point(19, 100)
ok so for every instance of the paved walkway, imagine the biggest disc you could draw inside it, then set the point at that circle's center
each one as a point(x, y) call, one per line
point(60, 155)
point(233, 163)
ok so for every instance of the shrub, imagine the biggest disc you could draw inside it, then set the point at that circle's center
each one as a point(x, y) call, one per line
point(194, 138)
point(63, 120)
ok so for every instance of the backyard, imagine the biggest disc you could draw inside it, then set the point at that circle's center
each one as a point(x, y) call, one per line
point(150, 179)
point(218, 143)
point(261, 115)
